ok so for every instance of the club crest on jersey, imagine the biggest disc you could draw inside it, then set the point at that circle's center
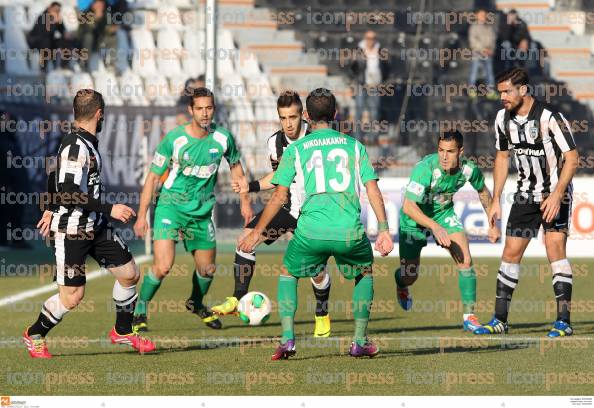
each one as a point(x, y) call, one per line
point(533, 131)
point(214, 152)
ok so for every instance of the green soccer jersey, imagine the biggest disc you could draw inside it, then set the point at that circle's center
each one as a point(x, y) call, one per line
point(189, 187)
point(332, 167)
point(433, 189)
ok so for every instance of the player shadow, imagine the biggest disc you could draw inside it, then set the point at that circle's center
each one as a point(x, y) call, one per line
point(306, 322)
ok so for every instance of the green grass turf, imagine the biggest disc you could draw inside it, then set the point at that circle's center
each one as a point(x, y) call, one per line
point(423, 352)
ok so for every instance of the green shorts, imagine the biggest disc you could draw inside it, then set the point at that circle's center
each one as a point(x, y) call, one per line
point(197, 233)
point(412, 240)
point(306, 257)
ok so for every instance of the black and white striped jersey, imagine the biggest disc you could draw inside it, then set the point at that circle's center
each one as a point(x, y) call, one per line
point(277, 144)
point(538, 142)
point(78, 185)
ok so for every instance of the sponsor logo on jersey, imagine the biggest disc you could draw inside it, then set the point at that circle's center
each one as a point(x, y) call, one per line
point(201, 171)
point(158, 160)
point(530, 152)
point(415, 188)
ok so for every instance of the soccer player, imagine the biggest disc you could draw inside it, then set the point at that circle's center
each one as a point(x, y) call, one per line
point(293, 127)
point(185, 203)
point(546, 159)
point(333, 167)
point(79, 226)
point(428, 208)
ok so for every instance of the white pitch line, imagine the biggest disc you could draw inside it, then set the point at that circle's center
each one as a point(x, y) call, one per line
point(94, 274)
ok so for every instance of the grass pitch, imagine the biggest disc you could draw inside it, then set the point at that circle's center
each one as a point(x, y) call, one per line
point(423, 352)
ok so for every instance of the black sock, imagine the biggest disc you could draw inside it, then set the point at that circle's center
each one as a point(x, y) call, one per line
point(42, 326)
point(125, 314)
point(322, 296)
point(505, 289)
point(563, 296)
point(243, 272)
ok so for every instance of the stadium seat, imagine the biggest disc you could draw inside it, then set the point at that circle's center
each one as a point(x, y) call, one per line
point(176, 85)
point(157, 91)
point(80, 80)
point(132, 89)
point(107, 84)
point(169, 48)
point(56, 85)
point(16, 18)
point(248, 64)
point(15, 43)
point(168, 16)
point(143, 62)
point(193, 59)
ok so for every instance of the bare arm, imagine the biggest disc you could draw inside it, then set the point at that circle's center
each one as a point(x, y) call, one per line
point(374, 195)
point(151, 185)
point(485, 198)
point(383, 243)
point(571, 159)
point(265, 183)
point(412, 209)
point(279, 197)
point(500, 172)
point(237, 174)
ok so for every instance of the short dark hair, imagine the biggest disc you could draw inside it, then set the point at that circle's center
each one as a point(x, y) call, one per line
point(321, 105)
point(201, 92)
point(86, 103)
point(289, 98)
point(517, 76)
point(452, 135)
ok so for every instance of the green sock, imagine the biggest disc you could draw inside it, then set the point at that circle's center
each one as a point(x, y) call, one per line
point(467, 284)
point(287, 305)
point(398, 278)
point(200, 286)
point(362, 299)
point(150, 286)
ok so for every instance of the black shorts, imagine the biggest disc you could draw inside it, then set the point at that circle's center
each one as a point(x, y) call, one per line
point(525, 218)
point(71, 251)
point(282, 223)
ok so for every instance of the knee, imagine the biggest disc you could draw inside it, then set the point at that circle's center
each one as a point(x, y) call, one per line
point(130, 274)
point(511, 255)
point(161, 269)
point(71, 299)
point(207, 271)
point(466, 263)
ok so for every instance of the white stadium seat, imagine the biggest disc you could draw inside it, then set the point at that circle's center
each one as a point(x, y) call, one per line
point(132, 89)
point(169, 48)
point(17, 50)
point(107, 84)
point(143, 62)
point(56, 84)
point(157, 91)
point(81, 80)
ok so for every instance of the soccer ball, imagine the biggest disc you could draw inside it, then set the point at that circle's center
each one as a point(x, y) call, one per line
point(254, 308)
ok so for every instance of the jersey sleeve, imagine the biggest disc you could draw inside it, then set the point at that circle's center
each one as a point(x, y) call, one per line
point(477, 179)
point(162, 156)
point(501, 143)
point(419, 183)
point(271, 145)
point(366, 170)
point(285, 173)
point(232, 154)
point(561, 132)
